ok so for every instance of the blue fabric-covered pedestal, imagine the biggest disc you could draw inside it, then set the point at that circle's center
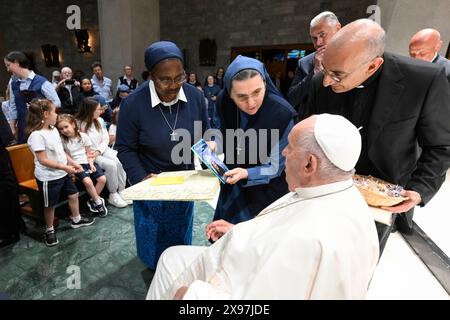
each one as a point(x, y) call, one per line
point(159, 225)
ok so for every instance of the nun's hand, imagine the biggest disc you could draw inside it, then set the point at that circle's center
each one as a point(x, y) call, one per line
point(233, 176)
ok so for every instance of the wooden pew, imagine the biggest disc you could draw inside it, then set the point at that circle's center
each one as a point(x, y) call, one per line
point(22, 160)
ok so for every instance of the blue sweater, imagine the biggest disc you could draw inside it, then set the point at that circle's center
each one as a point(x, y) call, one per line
point(143, 136)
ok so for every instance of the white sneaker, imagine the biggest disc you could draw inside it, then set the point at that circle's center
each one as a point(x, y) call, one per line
point(116, 200)
point(123, 198)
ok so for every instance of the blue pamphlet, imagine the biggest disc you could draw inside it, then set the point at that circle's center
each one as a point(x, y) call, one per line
point(210, 159)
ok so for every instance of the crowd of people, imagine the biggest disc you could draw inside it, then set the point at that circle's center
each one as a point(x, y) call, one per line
point(288, 225)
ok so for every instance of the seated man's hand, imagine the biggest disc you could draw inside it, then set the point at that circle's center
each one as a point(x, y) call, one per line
point(216, 229)
point(414, 199)
point(233, 176)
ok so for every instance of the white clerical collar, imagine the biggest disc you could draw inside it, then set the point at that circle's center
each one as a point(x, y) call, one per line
point(435, 56)
point(312, 192)
point(156, 101)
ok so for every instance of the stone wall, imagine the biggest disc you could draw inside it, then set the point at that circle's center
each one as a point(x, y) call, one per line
point(250, 23)
point(26, 25)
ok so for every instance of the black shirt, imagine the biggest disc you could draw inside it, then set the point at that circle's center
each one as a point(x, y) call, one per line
point(360, 102)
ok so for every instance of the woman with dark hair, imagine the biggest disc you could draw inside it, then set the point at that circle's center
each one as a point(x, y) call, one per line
point(192, 79)
point(219, 77)
point(86, 90)
point(25, 87)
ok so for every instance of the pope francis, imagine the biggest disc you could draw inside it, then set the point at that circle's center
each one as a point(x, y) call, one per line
point(317, 242)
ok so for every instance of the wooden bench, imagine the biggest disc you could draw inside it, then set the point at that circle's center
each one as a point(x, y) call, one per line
point(22, 160)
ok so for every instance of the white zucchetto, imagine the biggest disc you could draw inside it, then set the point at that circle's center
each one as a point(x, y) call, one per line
point(339, 139)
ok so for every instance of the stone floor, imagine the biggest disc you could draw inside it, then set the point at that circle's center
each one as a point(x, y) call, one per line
point(104, 252)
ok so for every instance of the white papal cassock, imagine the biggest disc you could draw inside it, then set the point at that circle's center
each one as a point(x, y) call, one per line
point(315, 243)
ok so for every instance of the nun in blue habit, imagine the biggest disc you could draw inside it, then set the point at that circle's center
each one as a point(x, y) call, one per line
point(146, 133)
point(251, 101)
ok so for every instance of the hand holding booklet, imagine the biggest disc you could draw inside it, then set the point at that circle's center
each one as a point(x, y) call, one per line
point(210, 159)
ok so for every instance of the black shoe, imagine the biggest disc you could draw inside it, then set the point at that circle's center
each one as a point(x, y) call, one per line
point(101, 209)
point(92, 206)
point(50, 238)
point(394, 228)
point(9, 240)
point(84, 222)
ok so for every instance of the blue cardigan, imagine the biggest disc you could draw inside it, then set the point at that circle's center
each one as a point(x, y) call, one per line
point(143, 136)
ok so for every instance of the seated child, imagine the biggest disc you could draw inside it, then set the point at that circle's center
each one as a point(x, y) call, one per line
point(77, 145)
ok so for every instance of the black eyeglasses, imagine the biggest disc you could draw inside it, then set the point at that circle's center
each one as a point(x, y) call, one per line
point(339, 79)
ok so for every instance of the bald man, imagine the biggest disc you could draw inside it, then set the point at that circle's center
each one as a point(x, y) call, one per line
point(322, 28)
point(316, 242)
point(425, 45)
point(403, 108)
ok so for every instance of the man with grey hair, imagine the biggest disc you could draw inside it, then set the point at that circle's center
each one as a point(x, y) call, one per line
point(400, 104)
point(317, 242)
point(425, 45)
point(322, 28)
point(67, 89)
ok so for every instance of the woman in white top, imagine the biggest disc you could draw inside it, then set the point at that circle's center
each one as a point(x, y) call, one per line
point(94, 126)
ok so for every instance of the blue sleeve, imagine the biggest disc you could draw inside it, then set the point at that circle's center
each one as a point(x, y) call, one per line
point(266, 172)
point(50, 93)
point(127, 144)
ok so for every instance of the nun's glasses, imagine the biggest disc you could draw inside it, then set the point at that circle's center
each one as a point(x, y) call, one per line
point(168, 81)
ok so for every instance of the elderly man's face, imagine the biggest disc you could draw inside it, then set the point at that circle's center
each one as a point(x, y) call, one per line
point(296, 158)
point(322, 33)
point(66, 73)
point(347, 67)
point(248, 94)
point(422, 51)
point(168, 76)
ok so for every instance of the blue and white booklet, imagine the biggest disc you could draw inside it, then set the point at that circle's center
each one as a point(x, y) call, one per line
point(210, 159)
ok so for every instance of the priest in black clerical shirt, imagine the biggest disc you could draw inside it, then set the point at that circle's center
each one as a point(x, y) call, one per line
point(400, 104)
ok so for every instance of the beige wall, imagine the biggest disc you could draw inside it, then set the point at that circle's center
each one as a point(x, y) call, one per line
point(127, 27)
point(403, 18)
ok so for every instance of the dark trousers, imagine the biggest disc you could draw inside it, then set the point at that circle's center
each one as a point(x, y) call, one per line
point(10, 220)
point(401, 222)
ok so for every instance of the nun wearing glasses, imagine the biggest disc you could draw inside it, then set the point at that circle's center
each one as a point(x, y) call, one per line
point(251, 104)
point(147, 131)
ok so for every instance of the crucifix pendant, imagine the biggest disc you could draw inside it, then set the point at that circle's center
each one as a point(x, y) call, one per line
point(173, 136)
point(238, 149)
